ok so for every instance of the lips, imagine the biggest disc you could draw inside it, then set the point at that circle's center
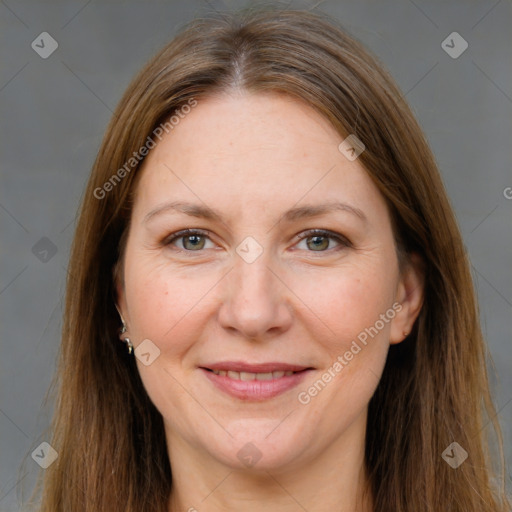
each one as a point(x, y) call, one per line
point(247, 376)
point(254, 382)
point(241, 366)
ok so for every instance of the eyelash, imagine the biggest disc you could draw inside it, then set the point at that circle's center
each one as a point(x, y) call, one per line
point(344, 242)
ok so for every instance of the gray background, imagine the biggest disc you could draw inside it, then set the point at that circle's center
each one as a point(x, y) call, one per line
point(55, 110)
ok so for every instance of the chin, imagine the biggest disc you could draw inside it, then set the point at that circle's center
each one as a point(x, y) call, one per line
point(257, 445)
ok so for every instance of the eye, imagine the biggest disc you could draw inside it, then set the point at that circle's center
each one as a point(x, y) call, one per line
point(191, 239)
point(319, 240)
point(316, 240)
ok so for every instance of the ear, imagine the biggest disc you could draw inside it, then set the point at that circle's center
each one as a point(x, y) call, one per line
point(409, 294)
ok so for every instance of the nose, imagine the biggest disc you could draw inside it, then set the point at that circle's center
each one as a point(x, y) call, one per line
point(256, 303)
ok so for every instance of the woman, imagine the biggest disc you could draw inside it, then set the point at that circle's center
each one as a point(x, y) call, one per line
point(267, 233)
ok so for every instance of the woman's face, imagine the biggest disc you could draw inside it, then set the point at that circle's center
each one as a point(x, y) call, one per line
point(253, 291)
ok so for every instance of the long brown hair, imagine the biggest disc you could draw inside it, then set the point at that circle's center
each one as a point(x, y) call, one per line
point(434, 389)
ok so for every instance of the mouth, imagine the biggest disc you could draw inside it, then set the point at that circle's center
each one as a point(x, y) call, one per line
point(254, 382)
point(248, 376)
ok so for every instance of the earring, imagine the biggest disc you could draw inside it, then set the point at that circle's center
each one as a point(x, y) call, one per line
point(129, 344)
point(405, 333)
point(126, 340)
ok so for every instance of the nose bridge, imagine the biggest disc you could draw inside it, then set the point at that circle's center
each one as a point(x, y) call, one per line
point(254, 302)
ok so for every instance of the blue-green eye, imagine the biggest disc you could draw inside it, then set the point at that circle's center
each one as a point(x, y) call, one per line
point(319, 240)
point(191, 239)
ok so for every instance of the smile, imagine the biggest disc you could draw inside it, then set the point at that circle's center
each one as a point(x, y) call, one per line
point(247, 376)
point(256, 386)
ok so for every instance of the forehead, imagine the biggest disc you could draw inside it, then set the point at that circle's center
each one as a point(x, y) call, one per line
point(244, 151)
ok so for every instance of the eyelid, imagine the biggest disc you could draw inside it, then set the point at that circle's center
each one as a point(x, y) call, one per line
point(184, 232)
point(326, 233)
point(342, 240)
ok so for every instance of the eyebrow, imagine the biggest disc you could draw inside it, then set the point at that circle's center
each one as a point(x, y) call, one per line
point(294, 214)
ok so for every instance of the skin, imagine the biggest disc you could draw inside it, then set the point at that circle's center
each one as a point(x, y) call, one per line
point(252, 157)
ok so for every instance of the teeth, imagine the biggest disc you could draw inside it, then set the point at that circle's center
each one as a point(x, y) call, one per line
point(265, 376)
point(247, 376)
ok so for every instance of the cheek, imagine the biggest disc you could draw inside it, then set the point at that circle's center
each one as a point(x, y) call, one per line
point(341, 305)
point(162, 300)
point(166, 307)
point(353, 336)
point(358, 310)
point(354, 339)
